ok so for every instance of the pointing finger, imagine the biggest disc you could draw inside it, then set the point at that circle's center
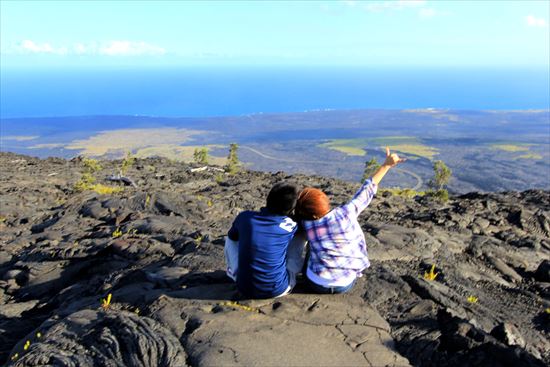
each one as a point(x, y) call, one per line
point(387, 151)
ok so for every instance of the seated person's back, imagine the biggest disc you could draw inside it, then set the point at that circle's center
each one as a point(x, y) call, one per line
point(263, 242)
point(263, 239)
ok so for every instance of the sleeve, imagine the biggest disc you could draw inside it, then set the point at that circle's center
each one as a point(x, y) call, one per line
point(362, 198)
point(233, 232)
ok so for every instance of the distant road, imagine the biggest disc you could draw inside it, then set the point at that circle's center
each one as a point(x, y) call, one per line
point(419, 181)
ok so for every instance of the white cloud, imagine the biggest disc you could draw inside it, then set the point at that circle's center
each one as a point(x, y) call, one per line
point(427, 13)
point(108, 48)
point(128, 48)
point(80, 49)
point(45, 48)
point(394, 5)
point(350, 3)
point(533, 21)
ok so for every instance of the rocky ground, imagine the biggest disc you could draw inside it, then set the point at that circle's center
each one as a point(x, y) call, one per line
point(158, 250)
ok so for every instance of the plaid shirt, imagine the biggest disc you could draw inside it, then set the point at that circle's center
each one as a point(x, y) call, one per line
point(337, 243)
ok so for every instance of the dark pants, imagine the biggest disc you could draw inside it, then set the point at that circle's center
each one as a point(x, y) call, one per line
point(316, 288)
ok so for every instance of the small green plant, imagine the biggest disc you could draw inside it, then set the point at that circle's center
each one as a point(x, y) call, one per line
point(370, 168)
point(232, 166)
point(200, 155)
point(472, 299)
point(547, 311)
point(88, 182)
point(27, 345)
point(105, 190)
point(441, 195)
point(219, 178)
point(442, 176)
point(132, 231)
point(406, 193)
point(91, 165)
point(117, 233)
point(126, 163)
point(106, 302)
point(431, 275)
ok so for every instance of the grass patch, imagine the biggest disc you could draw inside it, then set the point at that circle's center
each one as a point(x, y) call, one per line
point(511, 147)
point(529, 156)
point(406, 193)
point(353, 147)
point(99, 188)
point(403, 144)
point(418, 150)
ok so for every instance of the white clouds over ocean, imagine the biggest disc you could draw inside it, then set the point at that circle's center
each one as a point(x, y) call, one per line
point(533, 21)
point(107, 48)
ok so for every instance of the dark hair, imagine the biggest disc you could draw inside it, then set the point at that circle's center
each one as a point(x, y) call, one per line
point(282, 198)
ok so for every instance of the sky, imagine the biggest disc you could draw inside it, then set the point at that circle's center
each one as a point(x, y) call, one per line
point(48, 34)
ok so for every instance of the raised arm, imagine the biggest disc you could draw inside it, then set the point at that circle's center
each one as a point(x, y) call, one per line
point(364, 196)
point(391, 161)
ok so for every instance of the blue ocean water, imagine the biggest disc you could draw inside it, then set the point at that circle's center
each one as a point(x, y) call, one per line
point(210, 91)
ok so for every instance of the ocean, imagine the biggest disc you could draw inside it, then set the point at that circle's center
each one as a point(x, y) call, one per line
point(210, 91)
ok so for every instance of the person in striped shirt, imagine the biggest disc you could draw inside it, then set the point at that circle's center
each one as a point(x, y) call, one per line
point(338, 252)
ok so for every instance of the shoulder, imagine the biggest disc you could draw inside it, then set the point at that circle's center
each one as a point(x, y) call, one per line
point(244, 215)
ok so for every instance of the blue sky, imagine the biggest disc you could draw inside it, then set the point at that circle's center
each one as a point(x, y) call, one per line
point(362, 33)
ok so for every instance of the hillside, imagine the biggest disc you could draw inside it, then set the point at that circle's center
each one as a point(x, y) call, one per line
point(158, 250)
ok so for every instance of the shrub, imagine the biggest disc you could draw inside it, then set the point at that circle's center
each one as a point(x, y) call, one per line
point(200, 155)
point(442, 175)
point(441, 195)
point(127, 162)
point(88, 181)
point(232, 166)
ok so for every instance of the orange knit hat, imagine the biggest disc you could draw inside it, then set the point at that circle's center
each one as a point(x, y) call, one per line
point(312, 204)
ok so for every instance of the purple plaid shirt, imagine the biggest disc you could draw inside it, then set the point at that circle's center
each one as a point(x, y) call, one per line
point(337, 243)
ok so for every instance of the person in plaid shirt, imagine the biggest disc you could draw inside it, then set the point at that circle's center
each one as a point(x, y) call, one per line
point(338, 252)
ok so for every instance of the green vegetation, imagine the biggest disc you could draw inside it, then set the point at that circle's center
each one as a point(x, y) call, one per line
point(406, 193)
point(511, 147)
point(117, 233)
point(179, 153)
point(233, 164)
point(431, 275)
point(403, 144)
point(347, 146)
point(219, 178)
point(106, 302)
point(88, 181)
point(529, 156)
point(370, 168)
point(127, 162)
point(200, 155)
point(442, 175)
point(441, 195)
